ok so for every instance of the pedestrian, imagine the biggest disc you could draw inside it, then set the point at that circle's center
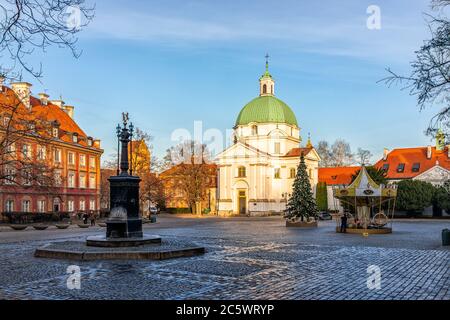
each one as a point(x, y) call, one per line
point(85, 218)
point(344, 223)
point(92, 219)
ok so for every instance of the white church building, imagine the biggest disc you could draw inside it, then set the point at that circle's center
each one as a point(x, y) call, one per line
point(257, 171)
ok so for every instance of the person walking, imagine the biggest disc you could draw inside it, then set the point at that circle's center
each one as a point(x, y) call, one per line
point(92, 219)
point(344, 223)
point(85, 218)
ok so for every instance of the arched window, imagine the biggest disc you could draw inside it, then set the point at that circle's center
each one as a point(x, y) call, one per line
point(241, 172)
point(292, 173)
point(254, 130)
point(271, 89)
point(264, 88)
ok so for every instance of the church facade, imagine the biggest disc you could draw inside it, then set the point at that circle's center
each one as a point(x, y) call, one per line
point(256, 173)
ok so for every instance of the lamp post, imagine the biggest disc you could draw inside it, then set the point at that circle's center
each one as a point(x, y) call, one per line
point(118, 131)
point(131, 148)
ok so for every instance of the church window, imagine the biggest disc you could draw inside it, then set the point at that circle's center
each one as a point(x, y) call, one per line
point(277, 147)
point(416, 167)
point(264, 88)
point(292, 173)
point(401, 167)
point(241, 172)
point(271, 89)
point(277, 174)
point(254, 130)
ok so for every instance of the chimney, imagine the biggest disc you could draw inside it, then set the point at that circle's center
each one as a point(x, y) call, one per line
point(58, 103)
point(44, 98)
point(23, 92)
point(448, 150)
point(2, 81)
point(385, 154)
point(68, 110)
point(97, 143)
point(429, 152)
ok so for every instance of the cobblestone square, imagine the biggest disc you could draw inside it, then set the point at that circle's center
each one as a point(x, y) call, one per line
point(246, 258)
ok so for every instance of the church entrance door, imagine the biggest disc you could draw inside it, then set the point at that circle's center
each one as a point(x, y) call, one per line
point(242, 201)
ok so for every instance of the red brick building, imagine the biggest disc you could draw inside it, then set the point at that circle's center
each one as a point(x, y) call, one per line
point(74, 156)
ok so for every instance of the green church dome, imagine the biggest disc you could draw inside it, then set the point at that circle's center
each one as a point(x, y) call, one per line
point(266, 109)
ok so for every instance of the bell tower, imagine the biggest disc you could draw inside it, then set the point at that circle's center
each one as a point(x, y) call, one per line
point(266, 82)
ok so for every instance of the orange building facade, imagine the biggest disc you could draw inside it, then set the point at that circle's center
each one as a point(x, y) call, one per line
point(73, 155)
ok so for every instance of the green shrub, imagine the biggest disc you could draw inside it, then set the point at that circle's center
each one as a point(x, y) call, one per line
point(321, 196)
point(414, 196)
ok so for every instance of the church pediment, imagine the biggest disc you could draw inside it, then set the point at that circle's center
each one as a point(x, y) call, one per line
point(241, 150)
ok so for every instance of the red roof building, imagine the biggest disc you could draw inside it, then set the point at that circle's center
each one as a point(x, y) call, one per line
point(337, 175)
point(73, 155)
point(420, 162)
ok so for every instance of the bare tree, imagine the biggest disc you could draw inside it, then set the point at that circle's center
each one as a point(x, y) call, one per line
point(363, 156)
point(341, 154)
point(25, 147)
point(27, 25)
point(187, 152)
point(323, 149)
point(429, 79)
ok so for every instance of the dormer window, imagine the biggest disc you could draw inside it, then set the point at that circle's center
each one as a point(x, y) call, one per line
point(75, 138)
point(55, 132)
point(401, 167)
point(416, 167)
point(89, 142)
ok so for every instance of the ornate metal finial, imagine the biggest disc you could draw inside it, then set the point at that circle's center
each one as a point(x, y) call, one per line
point(267, 61)
point(125, 118)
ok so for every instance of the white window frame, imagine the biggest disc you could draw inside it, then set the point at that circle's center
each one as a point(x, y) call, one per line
point(92, 162)
point(71, 158)
point(71, 179)
point(82, 160)
point(82, 182)
point(57, 155)
point(82, 205)
point(92, 181)
point(9, 205)
point(92, 205)
point(71, 206)
point(26, 208)
point(41, 205)
point(41, 152)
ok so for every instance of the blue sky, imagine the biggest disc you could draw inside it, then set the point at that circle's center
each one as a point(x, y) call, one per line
point(169, 63)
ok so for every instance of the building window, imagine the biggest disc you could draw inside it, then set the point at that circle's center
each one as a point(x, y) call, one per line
point(9, 206)
point(10, 174)
point(71, 158)
point(26, 205)
point(277, 147)
point(92, 181)
point(310, 173)
point(57, 155)
point(82, 160)
point(6, 121)
point(386, 167)
point(41, 152)
point(27, 177)
point(254, 130)
point(82, 180)
point(241, 172)
point(71, 180)
point(58, 179)
point(75, 138)
point(401, 167)
point(416, 167)
point(292, 173)
point(82, 205)
point(92, 205)
point(55, 132)
point(277, 174)
point(70, 206)
point(41, 206)
point(92, 162)
point(264, 88)
point(89, 142)
point(26, 151)
point(11, 148)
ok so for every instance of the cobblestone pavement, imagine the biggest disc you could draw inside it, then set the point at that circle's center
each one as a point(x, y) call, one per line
point(247, 258)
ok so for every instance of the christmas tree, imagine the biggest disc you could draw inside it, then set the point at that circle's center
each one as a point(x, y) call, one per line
point(301, 204)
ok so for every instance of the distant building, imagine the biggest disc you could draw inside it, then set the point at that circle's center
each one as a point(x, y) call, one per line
point(335, 176)
point(74, 156)
point(430, 164)
point(176, 197)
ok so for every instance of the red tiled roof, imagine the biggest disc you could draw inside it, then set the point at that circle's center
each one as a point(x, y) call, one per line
point(337, 175)
point(296, 152)
point(49, 112)
point(409, 156)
